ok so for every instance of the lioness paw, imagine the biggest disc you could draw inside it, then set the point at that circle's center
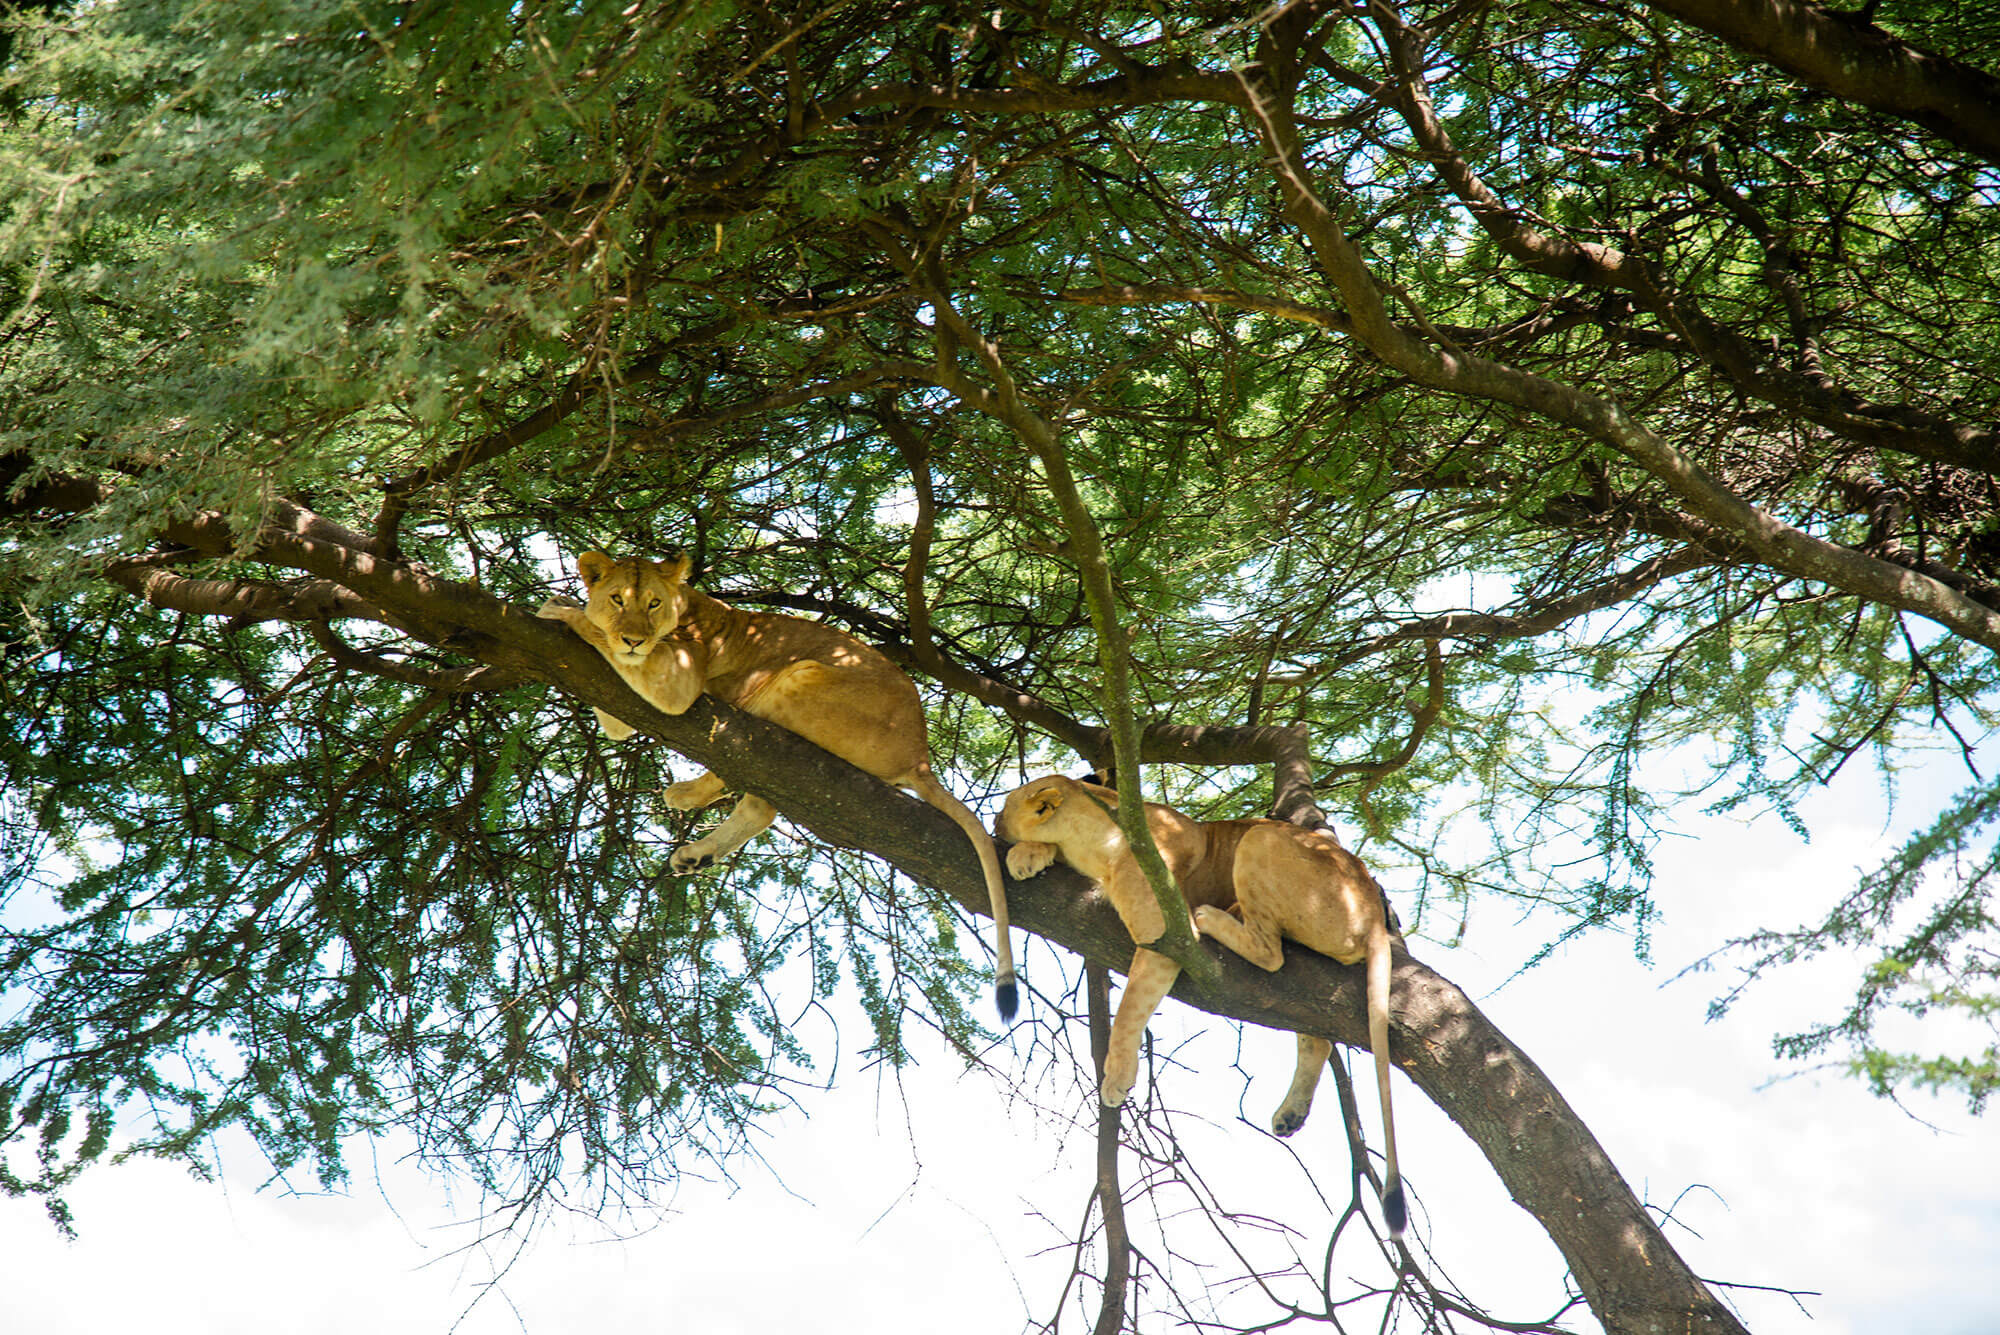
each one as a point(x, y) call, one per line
point(691, 794)
point(617, 729)
point(1117, 1084)
point(1029, 859)
point(692, 857)
point(1287, 1120)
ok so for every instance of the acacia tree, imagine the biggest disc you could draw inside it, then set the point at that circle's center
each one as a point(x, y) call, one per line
point(1491, 425)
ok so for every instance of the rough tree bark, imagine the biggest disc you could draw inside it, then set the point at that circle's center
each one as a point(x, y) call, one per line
point(1547, 1158)
point(1839, 50)
point(1551, 1165)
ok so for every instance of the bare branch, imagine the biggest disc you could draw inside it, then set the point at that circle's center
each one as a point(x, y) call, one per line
point(1110, 1195)
point(241, 600)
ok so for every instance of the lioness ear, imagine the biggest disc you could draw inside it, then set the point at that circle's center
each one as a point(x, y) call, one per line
point(1047, 797)
point(674, 570)
point(593, 566)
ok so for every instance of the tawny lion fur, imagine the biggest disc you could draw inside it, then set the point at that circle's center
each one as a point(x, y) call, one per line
point(671, 642)
point(1249, 884)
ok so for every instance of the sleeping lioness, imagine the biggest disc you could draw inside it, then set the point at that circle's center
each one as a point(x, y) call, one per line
point(1249, 883)
point(671, 642)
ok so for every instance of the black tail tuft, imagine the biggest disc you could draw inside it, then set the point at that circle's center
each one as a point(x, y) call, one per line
point(1393, 1209)
point(1008, 997)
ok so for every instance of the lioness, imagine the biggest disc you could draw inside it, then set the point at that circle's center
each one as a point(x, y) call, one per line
point(1249, 883)
point(671, 642)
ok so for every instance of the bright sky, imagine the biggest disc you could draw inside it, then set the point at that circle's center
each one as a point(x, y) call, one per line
point(887, 1208)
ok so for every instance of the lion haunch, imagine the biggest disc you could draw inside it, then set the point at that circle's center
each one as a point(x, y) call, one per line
point(1250, 884)
point(670, 642)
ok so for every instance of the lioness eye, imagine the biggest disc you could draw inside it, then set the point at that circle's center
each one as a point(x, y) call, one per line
point(618, 600)
point(650, 606)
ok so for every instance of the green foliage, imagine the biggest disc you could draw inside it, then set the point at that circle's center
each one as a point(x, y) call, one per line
point(497, 284)
point(1928, 911)
point(309, 905)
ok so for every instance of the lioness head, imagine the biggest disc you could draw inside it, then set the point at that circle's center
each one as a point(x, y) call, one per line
point(634, 602)
point(1030, 807)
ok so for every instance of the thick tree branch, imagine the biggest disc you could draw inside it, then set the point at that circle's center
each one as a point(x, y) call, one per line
point(55, 493)
point(241, 600)
point(1775, 543)
point(1848, 56)
point(1543, 1153)
point(1811, 392)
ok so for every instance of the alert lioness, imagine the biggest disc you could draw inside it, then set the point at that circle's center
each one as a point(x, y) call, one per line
point(1249, 883)
point(671, 642)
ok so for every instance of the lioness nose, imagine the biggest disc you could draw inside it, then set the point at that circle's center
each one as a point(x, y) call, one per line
point(633, 641)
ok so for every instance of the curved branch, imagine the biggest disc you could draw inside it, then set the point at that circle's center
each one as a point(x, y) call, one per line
point(1848, 56)
point(1421, 718)
point(1813, 394)
point(1774, 542)
point(1543, 1153)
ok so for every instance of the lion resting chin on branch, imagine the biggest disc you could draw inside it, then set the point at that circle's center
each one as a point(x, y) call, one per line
point(1250, 884)
point(671, 642)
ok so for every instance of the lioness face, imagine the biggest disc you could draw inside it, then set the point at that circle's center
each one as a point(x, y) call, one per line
point(634, 602)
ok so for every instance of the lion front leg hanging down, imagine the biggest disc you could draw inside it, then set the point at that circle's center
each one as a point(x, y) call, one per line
point(1283, 881)
point(670, 642)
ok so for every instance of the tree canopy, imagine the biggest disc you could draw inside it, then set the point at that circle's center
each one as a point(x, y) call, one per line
point(1500, 426)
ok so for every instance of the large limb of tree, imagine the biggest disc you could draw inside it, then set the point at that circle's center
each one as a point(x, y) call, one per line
point(1775, 543)
point(1848, 56)
point(1546, 1157)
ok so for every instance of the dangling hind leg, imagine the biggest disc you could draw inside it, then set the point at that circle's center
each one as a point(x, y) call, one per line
point(752, 816)
point(1291, 1114)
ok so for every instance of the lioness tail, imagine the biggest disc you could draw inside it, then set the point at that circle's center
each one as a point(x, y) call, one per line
point(1006, 995)
point(1394, 1211)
